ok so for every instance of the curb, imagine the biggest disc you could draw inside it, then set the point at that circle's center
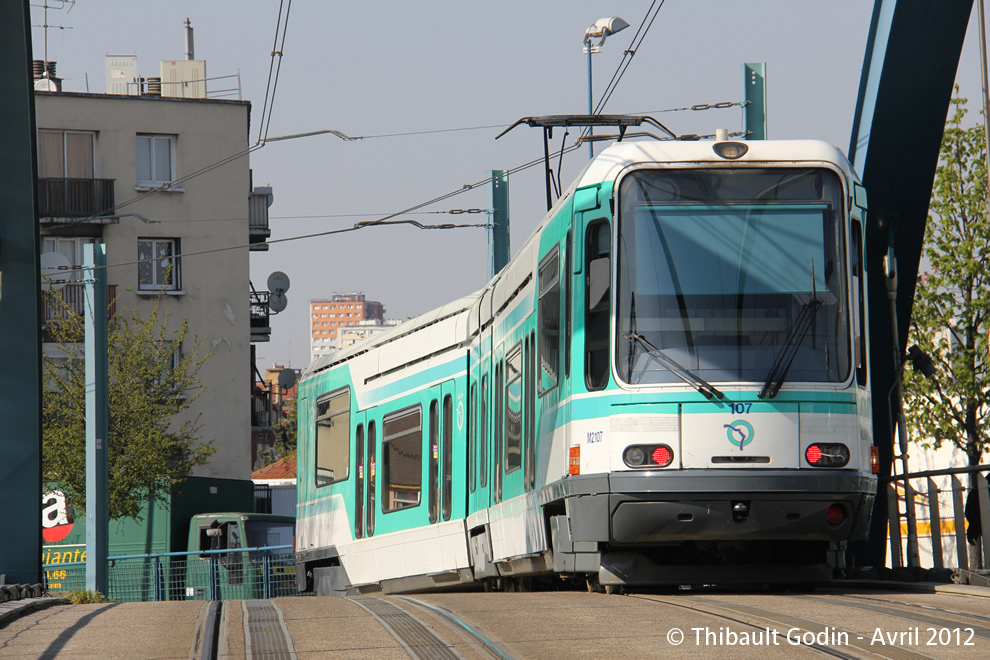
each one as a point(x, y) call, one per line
point(15, 609)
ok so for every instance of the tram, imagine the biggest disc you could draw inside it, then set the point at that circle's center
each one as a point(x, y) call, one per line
point(668, 384)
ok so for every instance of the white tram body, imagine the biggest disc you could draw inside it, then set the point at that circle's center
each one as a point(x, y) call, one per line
point(667, 384)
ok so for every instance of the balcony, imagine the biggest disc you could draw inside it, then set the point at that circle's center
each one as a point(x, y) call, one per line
point(64, 200)
point(258, 230)
point(261, 327)
point(72, 302)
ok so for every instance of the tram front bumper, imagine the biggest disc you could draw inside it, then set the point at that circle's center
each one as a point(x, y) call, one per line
point(709, 505)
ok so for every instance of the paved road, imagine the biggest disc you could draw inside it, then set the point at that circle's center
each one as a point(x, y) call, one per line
point(951, 623)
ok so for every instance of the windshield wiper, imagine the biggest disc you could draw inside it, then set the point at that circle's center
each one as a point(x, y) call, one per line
point(805, 320)
point(689, 377)
point(778, 371)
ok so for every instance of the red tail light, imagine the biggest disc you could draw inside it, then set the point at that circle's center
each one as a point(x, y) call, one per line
point(832, 455)
point(835, 515)
point(875, 459)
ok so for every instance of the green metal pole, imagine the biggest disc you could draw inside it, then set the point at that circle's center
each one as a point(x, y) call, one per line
point(755, 111)
point(498, 233)
point(20, 306)
point(97, 416)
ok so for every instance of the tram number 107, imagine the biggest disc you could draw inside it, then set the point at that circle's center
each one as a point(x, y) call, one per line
point(740, 408)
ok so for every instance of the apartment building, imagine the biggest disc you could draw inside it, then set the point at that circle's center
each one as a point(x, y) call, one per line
point(329, 318)
point(134, 172)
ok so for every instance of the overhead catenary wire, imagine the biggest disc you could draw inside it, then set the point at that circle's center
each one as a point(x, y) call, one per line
point(276, 67)
point(387, 220)
point(629, 53)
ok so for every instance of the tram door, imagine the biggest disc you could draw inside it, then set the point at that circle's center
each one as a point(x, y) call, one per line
point(440, 449)
point(365, 459)
point(512, 453)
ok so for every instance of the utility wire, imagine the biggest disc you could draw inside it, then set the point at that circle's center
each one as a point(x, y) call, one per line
point(628, 54)
point(272, 85)
point(386, 220)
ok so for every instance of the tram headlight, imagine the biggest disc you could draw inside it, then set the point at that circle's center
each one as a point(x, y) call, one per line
point(832, 455)
point(730, 150)
point(648, 456)
point(634, 456)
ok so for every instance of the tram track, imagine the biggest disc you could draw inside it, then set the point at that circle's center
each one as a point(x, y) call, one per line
point(907, 612)
point(837, 642)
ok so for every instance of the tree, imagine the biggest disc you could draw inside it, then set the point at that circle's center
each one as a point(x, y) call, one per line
point(150, 381)
point(950, 319)
point(284, 431)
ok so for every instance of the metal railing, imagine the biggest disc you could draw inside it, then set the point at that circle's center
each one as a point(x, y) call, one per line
point(75, 198)
point(940, 520)
point(73, 302)
point(245, 573)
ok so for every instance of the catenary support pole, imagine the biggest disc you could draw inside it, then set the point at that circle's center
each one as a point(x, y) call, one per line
point(97, 417)
point(20, 306)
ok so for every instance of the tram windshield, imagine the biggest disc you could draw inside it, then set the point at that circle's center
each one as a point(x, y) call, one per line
point(733, 274)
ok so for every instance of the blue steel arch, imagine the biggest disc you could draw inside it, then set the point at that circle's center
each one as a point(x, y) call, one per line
point(912, 54)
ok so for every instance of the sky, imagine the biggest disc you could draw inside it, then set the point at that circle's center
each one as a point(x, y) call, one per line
point(377, 69)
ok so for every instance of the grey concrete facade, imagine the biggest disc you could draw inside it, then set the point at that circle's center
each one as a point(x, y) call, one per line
point(202, 214)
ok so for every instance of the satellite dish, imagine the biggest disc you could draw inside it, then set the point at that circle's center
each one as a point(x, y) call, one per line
point(278, 282)
point(287, 378)
point(277, 302)
point(45, 85)
point(55, 268)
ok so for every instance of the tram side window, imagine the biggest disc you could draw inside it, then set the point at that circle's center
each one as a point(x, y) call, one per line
point(513, 410)
point(859, 305)
point(483, 431)
point(359, 483)
point(402, 459)
point(434, 449)
point(333, 441)
point(597, 305)
point(448, 456)
point(499, 423)
point(371, 478)
point(472, 438)
point(549, 319)
point(529, 392)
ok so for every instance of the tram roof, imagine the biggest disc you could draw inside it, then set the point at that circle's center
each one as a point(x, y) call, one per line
point(609, 163)
point(412, 325)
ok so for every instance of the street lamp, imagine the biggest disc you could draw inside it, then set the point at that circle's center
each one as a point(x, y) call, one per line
point(602, 29)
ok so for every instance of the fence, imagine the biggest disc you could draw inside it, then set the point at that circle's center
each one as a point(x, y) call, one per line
point(244, 573)
point(937, 538)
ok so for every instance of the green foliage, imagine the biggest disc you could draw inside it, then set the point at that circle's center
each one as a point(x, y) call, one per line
point(85, 597)
point(149, 450)
point(950, 321)
point(285, 441)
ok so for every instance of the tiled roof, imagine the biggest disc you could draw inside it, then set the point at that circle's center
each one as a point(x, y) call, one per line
point(283, 468)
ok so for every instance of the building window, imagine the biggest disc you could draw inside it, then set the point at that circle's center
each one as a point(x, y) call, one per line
point(333, 437)
point(159, 264)
point(402, 459)
point(66, 155)
point(155, 160)
point(71, 249)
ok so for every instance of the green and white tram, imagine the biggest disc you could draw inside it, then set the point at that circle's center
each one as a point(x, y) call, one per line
point(667, 384)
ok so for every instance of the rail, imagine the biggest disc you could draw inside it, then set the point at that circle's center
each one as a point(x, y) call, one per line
point(940, 519)
point(244, 573)
point(76, 198)
point(71, 300)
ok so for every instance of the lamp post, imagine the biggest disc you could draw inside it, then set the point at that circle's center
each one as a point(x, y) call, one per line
point(603, 28)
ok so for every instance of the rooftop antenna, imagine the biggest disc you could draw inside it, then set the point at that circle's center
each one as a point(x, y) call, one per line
point(45, 25)
point(189, 40)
